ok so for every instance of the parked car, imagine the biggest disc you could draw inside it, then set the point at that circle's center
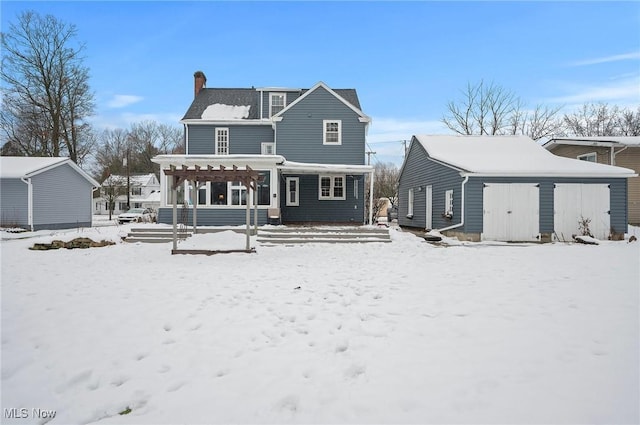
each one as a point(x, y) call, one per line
point(392, 213)
point(137, 215)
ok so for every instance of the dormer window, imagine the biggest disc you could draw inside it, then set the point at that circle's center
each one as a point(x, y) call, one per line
point(277, 102)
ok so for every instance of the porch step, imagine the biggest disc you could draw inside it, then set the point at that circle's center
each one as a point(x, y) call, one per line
point(304, 235)
point(155, 234)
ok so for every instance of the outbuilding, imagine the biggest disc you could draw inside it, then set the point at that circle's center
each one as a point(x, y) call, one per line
point(508, 188)
point(44, 193)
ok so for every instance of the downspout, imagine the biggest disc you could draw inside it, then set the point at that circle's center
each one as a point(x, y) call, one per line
point(371, 199)
point(29, 201)
point(614, 153)
point(464, 182)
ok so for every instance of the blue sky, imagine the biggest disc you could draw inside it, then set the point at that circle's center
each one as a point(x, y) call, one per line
point(406, 59)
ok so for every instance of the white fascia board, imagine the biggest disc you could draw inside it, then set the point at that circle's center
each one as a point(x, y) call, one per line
point(555, 142)
point(277, 89)
point(327, 88)
point(311, 168)
point(217, 160)
point(71, 164)
point(226, 122)
point(552, 175)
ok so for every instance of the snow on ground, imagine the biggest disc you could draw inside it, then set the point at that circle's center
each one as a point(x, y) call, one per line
point(402, 332)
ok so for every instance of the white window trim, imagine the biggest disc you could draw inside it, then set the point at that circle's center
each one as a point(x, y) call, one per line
point(410, 201)
point(265, 146)
point(331, 197)
point(284, 102)
point(296, 201)
point(448, 203)
point(324, 132)
point(584, 156)
point(217, 132)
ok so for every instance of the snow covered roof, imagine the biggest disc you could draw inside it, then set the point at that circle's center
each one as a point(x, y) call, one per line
point(633, 141)
point(134, 180)
point(16, 167)
point(510, 156)
point(302, 167)
point(218, 111)
point(215, 161)
point(246, 98)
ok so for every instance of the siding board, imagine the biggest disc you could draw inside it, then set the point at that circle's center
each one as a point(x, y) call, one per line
point(243, 139)
point(14, 203)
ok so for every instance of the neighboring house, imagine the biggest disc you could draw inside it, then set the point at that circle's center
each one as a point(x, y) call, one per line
point(144, 193)
point(508, 188)
point(44, 193)
point(307, 144)
point(619, 151)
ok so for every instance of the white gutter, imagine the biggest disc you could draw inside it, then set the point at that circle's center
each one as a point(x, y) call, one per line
point(466, 179)
point(614, 153)
point(29, 201)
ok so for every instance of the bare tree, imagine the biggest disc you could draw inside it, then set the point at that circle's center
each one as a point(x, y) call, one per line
point(600, 119)
point(490, 109)
point(385, 186)
point(113, 187)
point(46, 96)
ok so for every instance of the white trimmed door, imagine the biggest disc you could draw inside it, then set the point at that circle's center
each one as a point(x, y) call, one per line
point(511, 212)
point(573, 202)
point(429, 207)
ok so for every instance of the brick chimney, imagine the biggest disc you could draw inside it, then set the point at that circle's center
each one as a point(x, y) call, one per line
point(200, 81)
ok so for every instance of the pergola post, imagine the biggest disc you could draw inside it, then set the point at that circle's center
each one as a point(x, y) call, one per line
point(248, 217)
point(174, 198)
point(255, 212)
point(194, 200)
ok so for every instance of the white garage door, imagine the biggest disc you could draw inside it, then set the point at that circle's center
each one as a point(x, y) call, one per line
point(576, 202)
point(511, 212)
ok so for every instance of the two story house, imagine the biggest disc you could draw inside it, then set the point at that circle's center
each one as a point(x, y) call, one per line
point(144, 191)
point(308, 146)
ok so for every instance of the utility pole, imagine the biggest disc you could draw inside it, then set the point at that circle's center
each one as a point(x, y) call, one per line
point(369, 153)
point(404, 143)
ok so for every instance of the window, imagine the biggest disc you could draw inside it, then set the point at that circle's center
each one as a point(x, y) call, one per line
point(122, 206)
point(293, 193)
point(218, 193)
point(410, 203)
point(238, 194)
point(591, 157)
point(355, 189)
point(264, 189)
point(222, 141)
point(332, 188)
point(448, 203)
point(332, 132)
point(267, 148)
point(136, 191)
point(202, 195)
point(180, 190)
point(277, 102)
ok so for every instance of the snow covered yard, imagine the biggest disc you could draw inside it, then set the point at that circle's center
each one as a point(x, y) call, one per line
point(403, 332)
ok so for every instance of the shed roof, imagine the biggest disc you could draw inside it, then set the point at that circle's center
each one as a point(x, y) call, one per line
point(16, 167)
point(510, 156)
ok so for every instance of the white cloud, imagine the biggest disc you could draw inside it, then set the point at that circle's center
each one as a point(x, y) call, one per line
point(122, 100)
point(606, 59)
point(622, 92)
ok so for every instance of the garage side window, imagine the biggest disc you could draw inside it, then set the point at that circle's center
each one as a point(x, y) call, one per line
point(410, 203)
point(448, 203)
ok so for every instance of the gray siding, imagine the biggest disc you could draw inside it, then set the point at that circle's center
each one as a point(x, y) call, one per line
point(14, 208)
point(290, 95)
point(300, 133)
point(311, 209)
point(243, 139)
point(62, 198)
point(213, 217)
point(419, 170)
point(474, 205)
